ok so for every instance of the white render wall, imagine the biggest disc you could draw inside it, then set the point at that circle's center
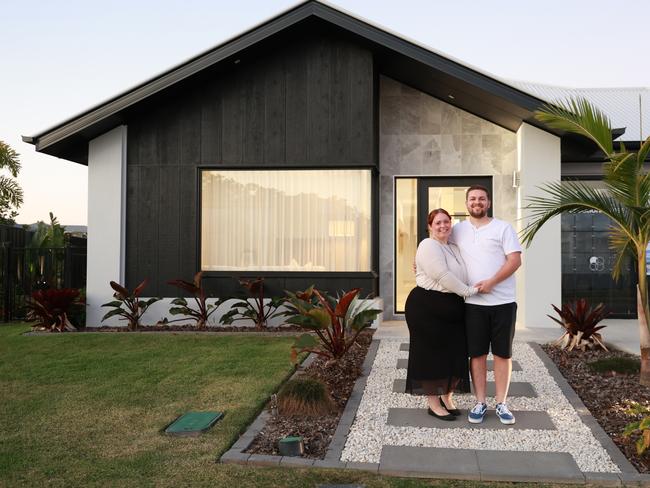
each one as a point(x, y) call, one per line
point(106, 221)
point(539, 280)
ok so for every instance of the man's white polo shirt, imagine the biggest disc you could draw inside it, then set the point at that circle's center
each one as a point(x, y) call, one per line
point(484, 250)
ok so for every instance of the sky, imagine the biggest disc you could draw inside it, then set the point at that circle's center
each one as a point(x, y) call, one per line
point(61, 58)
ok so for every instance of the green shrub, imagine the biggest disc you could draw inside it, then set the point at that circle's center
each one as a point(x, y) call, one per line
point(134, 308)
point(335, 323)
point(640, 427)
point(200, 314)
point(304, 397)
point(258, 311)
point(619, 365)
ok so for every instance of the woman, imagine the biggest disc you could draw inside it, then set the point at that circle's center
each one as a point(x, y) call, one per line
point(435, 317)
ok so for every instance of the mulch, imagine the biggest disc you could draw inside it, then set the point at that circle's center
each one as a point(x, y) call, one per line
point(317, 432)
point(607, 395)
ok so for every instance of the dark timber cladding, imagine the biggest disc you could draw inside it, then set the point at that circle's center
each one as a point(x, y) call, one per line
point(307, 103)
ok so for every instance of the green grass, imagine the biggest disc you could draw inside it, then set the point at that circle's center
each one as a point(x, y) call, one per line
point(621, 365)
point(87, 410)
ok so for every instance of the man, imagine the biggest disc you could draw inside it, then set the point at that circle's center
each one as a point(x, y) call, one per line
point(492, 253)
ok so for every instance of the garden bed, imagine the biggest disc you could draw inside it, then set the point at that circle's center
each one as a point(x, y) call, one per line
point(607, 394)
point(183, 328)
point(317, 432)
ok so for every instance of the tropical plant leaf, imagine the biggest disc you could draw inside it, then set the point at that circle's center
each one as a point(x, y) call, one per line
point(184, 285)
point(345, 301)
point(321, 317)
point(364, 319)
point(140, 287)
point(305, 321)
point(197, 279)
point(179, 301)
point(121, 291)
point(112, 313)
point(178, 311)
point(114, 303)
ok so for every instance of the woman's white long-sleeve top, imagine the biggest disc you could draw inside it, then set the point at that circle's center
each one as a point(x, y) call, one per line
point(440, 267)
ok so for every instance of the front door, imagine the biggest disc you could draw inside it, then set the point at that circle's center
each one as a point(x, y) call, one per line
point(414, 199)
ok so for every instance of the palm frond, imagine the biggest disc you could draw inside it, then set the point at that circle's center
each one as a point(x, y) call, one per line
point(578, 116)
point(570, 197)
point(9, 159)
point(644, 151)
point(623, 247)
point(621, 174)
point(10, 191)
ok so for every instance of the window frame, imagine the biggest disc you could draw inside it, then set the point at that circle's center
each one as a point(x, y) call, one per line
point(374, 223)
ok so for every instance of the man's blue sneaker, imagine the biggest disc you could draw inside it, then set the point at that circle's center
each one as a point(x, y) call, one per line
point(477, 414)
point(505, 415)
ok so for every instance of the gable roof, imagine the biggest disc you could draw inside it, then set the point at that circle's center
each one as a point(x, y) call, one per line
point(407, 61)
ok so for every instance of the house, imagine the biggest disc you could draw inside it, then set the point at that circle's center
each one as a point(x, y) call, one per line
point(308, 150)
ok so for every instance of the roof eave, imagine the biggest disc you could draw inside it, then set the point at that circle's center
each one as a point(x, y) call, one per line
point(48, 141)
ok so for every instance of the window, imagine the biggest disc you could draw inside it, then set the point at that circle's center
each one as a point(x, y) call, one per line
point(286, 220)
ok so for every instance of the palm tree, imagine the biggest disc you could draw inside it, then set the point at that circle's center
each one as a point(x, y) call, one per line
point(625, 200)
point(11, 195)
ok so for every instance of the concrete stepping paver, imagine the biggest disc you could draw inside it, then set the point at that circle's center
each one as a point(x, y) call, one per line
point(527, 466)
point(411, 417)
point(517, 388)
point(459, 464)
point(402, 363)
point(470, 464)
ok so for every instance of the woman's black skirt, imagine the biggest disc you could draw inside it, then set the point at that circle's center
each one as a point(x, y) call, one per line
point(438, 361)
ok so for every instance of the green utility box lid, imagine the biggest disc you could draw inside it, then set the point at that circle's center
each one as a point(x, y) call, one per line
point(193, 423)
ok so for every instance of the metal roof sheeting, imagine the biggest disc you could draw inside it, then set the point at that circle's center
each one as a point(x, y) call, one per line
point(621, 105)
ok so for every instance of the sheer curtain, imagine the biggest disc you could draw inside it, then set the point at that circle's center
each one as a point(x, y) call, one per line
point(286, 220)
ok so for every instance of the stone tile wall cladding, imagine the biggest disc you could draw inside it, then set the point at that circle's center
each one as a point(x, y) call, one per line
point(424, 136)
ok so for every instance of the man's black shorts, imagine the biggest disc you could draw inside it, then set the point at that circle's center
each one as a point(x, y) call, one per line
point(490, 325)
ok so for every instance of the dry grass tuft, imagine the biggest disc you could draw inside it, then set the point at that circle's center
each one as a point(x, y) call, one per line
point(305, 397)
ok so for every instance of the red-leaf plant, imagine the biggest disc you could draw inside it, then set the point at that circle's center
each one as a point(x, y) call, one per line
point(134, 308)
point(202, 313)
point(257, 311)
point(50, 308)
point(579, 321)
point(336, 322)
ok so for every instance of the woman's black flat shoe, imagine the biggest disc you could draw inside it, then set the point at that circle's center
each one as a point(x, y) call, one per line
point(452, 411)
point(441, 417)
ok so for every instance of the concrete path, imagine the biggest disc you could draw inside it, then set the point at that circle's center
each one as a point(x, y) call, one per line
point(555, 439)
point(387, 431)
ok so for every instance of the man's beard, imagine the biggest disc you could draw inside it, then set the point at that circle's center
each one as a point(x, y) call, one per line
point(478, 212)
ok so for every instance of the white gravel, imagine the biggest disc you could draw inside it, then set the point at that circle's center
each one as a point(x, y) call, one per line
point(369, 431)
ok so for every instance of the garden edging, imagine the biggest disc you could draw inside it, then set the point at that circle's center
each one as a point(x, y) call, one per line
point(629, 473)
point(236, 454)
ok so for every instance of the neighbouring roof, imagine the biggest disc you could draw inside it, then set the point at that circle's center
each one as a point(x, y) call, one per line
point(396, 56)
point(627, 108)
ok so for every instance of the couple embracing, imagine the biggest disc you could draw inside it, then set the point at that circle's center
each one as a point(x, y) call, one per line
point(463, 306)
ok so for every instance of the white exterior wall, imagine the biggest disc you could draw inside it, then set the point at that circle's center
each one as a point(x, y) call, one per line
point(539, 280)
point(106, 221)
point(160, 310)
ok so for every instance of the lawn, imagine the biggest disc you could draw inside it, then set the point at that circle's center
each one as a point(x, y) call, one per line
point(87, 410)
